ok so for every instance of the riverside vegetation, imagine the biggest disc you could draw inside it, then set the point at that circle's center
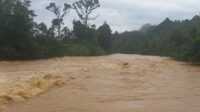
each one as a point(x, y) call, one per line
point(22, 38)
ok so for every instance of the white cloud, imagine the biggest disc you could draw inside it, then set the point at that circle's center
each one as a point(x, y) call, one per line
point(127, 14)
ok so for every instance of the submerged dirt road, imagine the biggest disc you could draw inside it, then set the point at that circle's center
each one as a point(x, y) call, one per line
point(115, 83)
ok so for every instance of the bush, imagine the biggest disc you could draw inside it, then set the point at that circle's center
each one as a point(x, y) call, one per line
point(82, 49)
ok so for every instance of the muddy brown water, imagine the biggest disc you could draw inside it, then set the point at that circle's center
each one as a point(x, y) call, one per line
point(115, 83)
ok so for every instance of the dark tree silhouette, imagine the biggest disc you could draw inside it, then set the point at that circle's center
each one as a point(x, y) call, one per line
point(105, 36)
point(60, 14)
point(84, 8)
point(78, 30)
point(16, 24)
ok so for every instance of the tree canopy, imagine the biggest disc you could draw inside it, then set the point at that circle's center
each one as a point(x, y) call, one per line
point(22, 38)
point(105, 34)
point(84, 9)
point(176, 39)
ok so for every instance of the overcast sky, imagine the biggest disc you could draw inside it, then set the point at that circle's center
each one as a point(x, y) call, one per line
point(126, 15)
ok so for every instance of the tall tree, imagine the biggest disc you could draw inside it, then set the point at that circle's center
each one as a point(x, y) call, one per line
point(16, 28)
point(105, 36)
point(60, 14)
point(78, 30)
point(84, 8)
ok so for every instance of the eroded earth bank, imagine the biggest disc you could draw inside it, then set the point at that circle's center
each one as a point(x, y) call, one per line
point(115, 83)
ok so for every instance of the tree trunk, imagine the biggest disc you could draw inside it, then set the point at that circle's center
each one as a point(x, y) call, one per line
point(86, 29)
point(86, 24)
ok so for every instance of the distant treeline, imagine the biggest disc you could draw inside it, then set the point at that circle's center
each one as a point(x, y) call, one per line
point(177, 39)
point(22, 38)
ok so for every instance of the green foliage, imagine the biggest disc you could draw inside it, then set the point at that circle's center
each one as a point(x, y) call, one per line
point(105, 36)
point(84, 8)
point(16, 29)
point(177, 39)
point(22, 38)
point(83, 49)
point(78, 30)
point(60, 14)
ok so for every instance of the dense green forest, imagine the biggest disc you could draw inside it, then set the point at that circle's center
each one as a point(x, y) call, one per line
point(23, 38)
point(177, 39)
